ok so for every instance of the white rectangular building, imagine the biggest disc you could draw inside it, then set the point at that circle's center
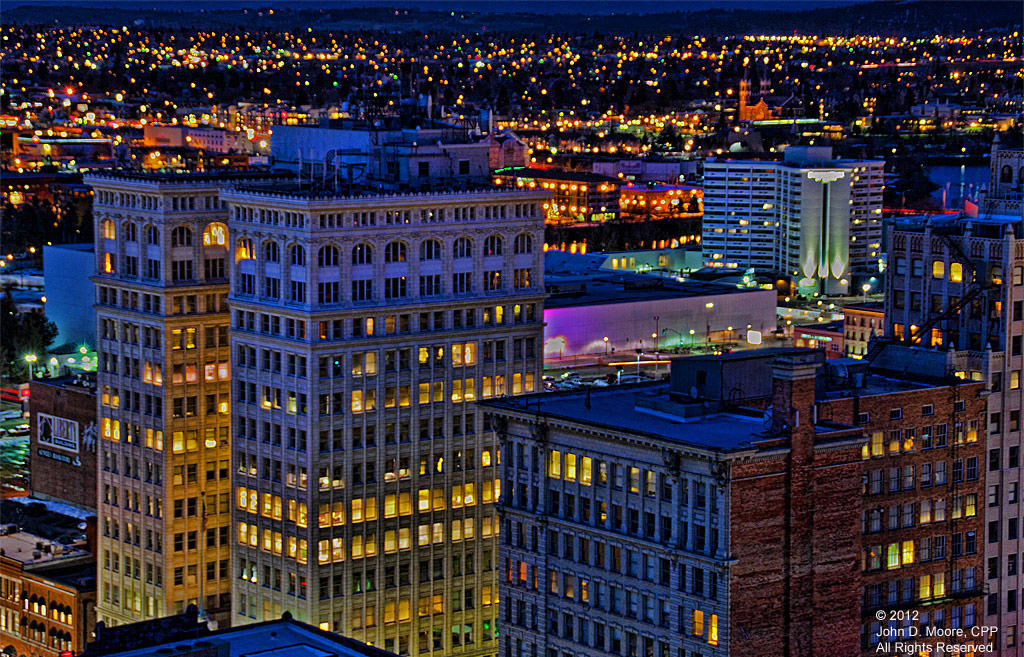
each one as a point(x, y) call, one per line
point(808, 216)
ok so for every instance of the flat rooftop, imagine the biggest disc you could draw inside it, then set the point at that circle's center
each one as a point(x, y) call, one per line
point(612, 288)
point(277, 638)
point(23, 547)
point(660, 187)
point(615, 408)
point(185, 177)
point(86, 247)
point(956, 224)
point(86, 382)
point(329, 189)
point(554, 174)
point(871, 306)
point(878, 384)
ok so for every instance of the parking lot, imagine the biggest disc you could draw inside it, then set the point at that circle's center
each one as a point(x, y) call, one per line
point(14, 451)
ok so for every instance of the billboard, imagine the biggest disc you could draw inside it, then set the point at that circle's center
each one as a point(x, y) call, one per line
point(57, 432)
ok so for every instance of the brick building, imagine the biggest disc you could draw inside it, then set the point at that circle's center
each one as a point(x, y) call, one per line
point(861, 322)
point(62, 465)
point(956, 284)
point(923, 489)
point(579, 197)
point(47, 596)
point(640, 521)
point(862, 484)
point(828, 336)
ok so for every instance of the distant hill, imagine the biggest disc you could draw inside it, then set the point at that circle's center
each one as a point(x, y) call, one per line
point(886, 17)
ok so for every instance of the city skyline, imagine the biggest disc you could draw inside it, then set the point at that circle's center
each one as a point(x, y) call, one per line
point(450, 329)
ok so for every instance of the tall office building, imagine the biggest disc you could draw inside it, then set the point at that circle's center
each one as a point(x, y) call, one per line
point(957, 283)
point(808, 216)
point(164, 485)
point(363, 327)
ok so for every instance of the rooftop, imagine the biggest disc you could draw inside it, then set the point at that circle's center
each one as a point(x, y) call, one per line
point(835, 326)
point(876, 384)
point(871, 306)
point(184, 177)
point(86, 382)
point(646, 410)
point(334, 191)
point(987, 226)
point(554, 174)
point(284, 637)
point(31, 549)
point(86, 247)
point(606, 287)
point(660, 187)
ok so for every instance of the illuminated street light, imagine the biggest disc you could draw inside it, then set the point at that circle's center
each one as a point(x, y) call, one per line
point(31, 360)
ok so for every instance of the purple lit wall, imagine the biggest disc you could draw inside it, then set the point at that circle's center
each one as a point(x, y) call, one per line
point(580, 330)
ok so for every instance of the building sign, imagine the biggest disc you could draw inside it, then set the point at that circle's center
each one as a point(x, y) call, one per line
point(820, 338)
point(825, 177)
point(57, 432)
point(63, 458)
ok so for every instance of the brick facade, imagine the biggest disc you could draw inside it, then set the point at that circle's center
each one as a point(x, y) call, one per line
point(906, 439)
point(61, 472)
point(794, 534)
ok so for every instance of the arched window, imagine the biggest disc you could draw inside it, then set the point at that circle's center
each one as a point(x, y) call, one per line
point(1006, 174)
point(430, 250)
point(956, 272)
point(130, 232)
point(524, 243)
point(328, 256)
point(153, 235)
point(272, 252)
point(181, 236)
point(394, 252)
point(362, 254)
point(463, 248)
point(216, 234)
point(109, 231)
point(244, 249)
point(297, 255)
point(493, 245)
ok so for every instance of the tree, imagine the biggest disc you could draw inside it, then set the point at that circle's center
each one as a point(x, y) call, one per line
point(21, 334)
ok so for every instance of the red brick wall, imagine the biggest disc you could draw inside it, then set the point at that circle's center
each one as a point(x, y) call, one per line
point(941, 399)
point(795, 535)
point(50, 478)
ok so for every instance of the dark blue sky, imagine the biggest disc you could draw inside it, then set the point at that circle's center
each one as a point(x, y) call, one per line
point(508, 6)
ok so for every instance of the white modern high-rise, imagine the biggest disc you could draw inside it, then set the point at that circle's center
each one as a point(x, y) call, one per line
point(363, 327)
point(808, 216)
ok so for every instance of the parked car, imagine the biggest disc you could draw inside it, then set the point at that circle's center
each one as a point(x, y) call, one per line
point(631, 378)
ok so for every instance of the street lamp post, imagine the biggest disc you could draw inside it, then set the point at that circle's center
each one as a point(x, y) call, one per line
point(606, 345)
point(707, 325)
point(691, 338)
point(31, 360)
point(657, 346)
point(866, 287)
point(665, 330)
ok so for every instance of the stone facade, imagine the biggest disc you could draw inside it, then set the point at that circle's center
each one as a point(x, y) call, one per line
point(163, 401)
point(363, 328)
